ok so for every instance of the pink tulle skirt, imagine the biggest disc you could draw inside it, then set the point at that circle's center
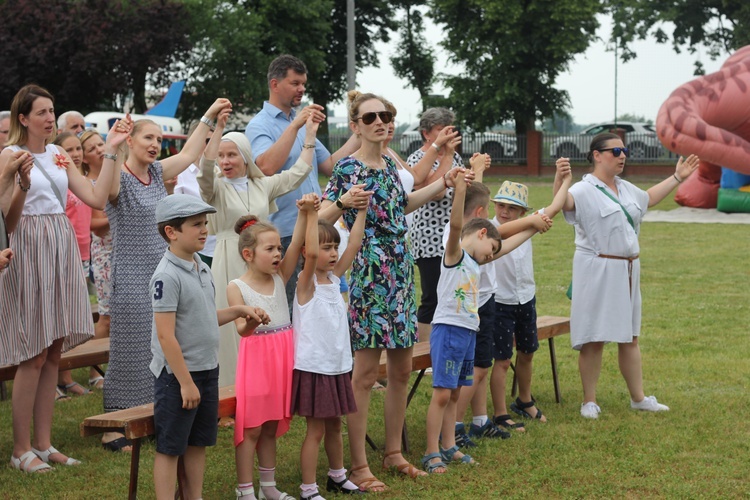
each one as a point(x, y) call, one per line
point(265, 364)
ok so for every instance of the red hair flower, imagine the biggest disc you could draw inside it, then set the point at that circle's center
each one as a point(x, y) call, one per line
point(62, 161)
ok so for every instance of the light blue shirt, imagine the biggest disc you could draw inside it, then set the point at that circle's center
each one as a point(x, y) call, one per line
point(263, 131)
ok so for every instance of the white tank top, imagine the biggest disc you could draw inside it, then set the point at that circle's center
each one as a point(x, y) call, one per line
point(275, 305)
point(41, 199)
point(321, 331)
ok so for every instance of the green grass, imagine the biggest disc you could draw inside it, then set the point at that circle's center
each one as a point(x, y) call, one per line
point(695, 350)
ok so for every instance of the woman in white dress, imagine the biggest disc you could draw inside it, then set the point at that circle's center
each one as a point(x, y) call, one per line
point(606, 303)
point(236, 187)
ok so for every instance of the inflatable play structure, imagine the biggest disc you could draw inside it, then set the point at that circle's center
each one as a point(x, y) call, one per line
point(710, 116)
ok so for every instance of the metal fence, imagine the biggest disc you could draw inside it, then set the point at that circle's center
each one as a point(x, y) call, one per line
point(644, 148)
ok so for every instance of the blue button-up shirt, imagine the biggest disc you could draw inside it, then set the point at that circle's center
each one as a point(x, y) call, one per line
point(263, 131)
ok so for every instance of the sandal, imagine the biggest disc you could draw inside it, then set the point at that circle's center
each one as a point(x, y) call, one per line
point(431, 467)
point(44, 456)
point(448, 455)
point(272, 484)
point(519, 407)
point(68, 388)
point(405, 468)
point(502, 421)
point(367, 484)
point(24, 463)
point(97, 382)
point(60, 395)
point(117, 445)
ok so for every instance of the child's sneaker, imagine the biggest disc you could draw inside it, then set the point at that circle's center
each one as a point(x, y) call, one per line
point(590, 410)
point(462, 439)
point(489, 430)
point(649, 403)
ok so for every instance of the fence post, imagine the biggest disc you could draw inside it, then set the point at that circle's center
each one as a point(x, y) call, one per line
point(533, 152)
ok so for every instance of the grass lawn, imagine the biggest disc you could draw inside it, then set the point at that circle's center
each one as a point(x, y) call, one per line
point(695, 351)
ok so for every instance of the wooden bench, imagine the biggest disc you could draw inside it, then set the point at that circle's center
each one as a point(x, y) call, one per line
point(93, 353)
point(548, 327)
point(138, 423)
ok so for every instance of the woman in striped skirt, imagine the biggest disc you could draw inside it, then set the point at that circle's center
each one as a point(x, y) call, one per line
point(44, 302)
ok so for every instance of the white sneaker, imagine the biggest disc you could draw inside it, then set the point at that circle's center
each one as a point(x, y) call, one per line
point(649, 403)
point(590, 410)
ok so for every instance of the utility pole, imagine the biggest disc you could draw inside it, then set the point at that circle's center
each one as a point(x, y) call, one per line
point(351, 62)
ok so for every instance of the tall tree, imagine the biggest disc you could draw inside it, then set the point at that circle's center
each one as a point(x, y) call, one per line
point(512, 52)
point(415, 61)
point(720, 26)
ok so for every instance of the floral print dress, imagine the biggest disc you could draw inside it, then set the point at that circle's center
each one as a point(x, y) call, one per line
point(382, 302)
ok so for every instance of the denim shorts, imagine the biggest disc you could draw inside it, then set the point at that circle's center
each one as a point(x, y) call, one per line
point(519, 322)
point(452, 353)
point(177, 428)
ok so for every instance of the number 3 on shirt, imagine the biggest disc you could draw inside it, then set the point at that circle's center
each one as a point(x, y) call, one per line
point(158, 289)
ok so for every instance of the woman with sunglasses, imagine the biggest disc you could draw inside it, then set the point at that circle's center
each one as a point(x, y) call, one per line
point(382, 303)
point(606, 303)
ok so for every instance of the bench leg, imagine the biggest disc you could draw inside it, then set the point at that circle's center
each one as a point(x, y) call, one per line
point(553, 361)
point(134, 462)
point(412, 391)
point(98, 370)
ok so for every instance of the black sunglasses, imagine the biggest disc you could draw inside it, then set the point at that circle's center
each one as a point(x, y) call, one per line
point(616, 151)
point(369, 118)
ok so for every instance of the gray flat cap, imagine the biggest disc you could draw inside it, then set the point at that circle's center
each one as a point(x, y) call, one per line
point(178, 206)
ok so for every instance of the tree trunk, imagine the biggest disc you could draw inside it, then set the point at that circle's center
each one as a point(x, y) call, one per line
point(139, 93)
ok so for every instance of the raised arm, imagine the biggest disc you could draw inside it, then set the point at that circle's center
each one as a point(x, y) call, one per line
point(453, 245)
point(421, 196)
point(479, 163)
point(683, 170)
point(561, 196)
point(192, 149)
point(306, 282)
point(207, 172)
point(350, 146)
point(563, 165)
point(275, 156)
point(289, 262)
point(355, 243)
point(116, 155)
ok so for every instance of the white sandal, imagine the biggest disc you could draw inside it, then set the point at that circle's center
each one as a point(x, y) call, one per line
point(94, 382)
point(44, 456)
point(272, 484)
point(24, 463)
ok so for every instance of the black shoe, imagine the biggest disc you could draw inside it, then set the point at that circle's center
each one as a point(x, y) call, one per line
point(335, 487)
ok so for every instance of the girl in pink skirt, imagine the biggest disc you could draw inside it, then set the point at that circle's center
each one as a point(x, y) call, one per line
point(266, 355)
point(322, 383)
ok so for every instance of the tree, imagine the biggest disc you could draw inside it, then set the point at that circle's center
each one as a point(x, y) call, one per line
point(88, 54)
point(416, 60)
point(721, 26)
point(512, 52)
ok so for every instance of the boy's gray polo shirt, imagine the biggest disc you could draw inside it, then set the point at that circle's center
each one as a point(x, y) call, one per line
point(179, 286)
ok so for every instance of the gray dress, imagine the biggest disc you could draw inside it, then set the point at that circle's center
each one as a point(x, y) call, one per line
point(137, 250)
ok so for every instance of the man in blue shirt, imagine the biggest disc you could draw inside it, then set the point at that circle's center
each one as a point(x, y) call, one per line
point(277, 137)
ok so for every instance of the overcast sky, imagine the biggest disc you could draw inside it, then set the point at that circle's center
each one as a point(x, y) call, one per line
point(643, 83)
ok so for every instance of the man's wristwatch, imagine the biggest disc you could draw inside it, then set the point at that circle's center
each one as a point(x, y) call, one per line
point(339, 204)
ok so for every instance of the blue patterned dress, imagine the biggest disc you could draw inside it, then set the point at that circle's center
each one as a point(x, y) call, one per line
point(382, 302)
point(137, 250)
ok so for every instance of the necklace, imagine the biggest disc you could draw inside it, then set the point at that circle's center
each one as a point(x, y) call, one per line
point(139, 179)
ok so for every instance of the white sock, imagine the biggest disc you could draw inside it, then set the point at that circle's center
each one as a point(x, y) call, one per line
point(479, 420)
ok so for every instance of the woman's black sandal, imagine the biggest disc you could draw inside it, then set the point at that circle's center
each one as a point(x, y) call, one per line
point(519, 407)
point(502, 421)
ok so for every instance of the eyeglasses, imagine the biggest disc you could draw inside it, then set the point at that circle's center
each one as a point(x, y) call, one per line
point(616, 151)
point(369, 118)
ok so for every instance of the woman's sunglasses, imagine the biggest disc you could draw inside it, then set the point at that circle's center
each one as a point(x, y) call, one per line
point(616, 151)
point(369, 118)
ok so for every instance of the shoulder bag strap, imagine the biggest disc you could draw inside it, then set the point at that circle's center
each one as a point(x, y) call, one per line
point(627, 215)
point(51, 182)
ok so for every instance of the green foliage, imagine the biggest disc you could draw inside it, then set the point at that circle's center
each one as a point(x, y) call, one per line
point(721, 26)
point(415, 59)
point(513, 53)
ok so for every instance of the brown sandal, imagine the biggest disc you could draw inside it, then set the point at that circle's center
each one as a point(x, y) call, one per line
point(368, 483)
point(405, 468)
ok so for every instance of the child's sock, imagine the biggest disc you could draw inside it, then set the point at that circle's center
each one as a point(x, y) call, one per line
point(267, 476)
point(245, 491)
point(479, 420)
point(339, 476)
point(309, 490)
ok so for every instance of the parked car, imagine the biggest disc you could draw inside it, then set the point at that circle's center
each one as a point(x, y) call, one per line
point(496, 144)
point(640, 138)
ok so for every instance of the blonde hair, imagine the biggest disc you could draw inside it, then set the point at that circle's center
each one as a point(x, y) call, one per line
point(85, 136)
point(137, 127)
point(356, 98)
point(21, 105)
point(249, 227)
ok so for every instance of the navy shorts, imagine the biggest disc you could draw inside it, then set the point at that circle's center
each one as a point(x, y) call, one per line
point(452, 354)
point(486, 335)
point(177, 428)
point(519, 322)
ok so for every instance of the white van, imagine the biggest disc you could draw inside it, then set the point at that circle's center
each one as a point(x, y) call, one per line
point(102, 121)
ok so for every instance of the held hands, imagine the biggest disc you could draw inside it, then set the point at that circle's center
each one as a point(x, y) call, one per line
point(217, 107)
point(357, 197)
point(686, 166)
point(458, 176)
point(480, 162)
point(20, 162)
point(314, 112)
point(254, 317)
point(540, 222)
point(311, 129)
point(191, 397)
point(119, 131)
point(223, 117)
point(563, 168)
point(309, 203)
point(5, 258)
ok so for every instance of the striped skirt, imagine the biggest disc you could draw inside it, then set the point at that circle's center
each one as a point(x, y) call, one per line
point(43, 295)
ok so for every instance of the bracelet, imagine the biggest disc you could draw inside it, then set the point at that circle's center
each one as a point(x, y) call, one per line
point(109, 156)
point(437, 148)
point(445, 182)
point(308, 146)
point(211, 124)
point(24, 189)
point(679, 181)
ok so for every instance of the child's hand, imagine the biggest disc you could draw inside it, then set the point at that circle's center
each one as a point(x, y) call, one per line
point(5, 258)
point(455, 177)
point(308, 203)
point(563, 168)
point(219, 105)
point(221, 120)
point(541, 222)
point(311, 128)
point(20, 161)
point(191, 397)
point(255, 316)
point(480, 162)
